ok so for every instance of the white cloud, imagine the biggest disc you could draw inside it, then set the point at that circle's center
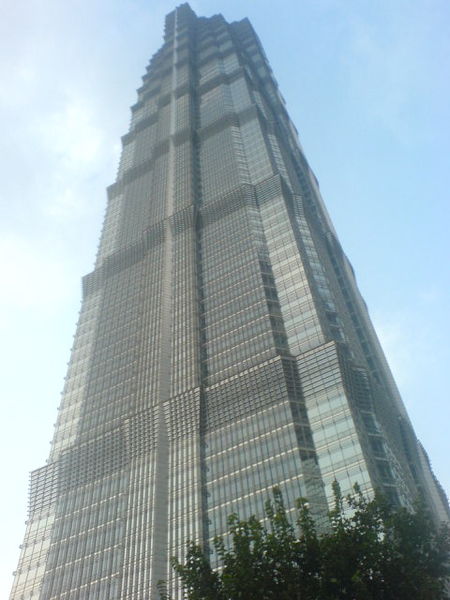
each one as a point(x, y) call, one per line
point(33, 276)
point(71, 134)
point(414, 345)
point(75, 149)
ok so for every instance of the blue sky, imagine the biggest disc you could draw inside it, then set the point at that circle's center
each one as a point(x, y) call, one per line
point(366, 83)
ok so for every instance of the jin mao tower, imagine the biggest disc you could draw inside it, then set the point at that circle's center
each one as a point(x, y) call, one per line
point(222, 346)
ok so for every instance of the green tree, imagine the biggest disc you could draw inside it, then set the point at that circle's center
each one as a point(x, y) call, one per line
point(371, 551)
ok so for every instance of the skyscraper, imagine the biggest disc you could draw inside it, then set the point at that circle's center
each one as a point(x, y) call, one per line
point(222, 345)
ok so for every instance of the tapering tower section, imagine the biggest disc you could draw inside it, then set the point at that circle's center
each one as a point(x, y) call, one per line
point(222, 346)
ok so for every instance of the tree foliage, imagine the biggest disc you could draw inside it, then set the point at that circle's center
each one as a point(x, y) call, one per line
point(370, 551)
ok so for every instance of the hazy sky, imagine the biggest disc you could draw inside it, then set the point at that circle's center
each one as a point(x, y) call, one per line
point(367, 85)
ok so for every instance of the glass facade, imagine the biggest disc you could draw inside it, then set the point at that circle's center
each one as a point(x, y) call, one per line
point(222, 346)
